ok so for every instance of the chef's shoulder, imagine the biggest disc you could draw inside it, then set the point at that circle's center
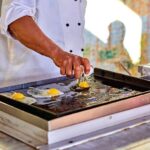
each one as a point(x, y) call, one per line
point(12, 10)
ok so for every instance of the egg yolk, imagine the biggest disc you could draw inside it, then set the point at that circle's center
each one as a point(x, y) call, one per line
point(84, 84)
point(17, 96)
point(53, 92)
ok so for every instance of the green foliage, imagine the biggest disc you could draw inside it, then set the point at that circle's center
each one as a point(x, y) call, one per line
point(108, 54)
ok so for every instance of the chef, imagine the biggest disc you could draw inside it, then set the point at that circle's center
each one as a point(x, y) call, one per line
point(41, 39)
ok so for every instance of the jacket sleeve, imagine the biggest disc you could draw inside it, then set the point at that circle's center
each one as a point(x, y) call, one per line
point(12, 10)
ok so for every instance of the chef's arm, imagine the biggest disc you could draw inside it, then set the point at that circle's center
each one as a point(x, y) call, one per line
point(28, 33)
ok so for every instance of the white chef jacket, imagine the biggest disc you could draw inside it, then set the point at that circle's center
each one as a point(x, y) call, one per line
point(61, 20)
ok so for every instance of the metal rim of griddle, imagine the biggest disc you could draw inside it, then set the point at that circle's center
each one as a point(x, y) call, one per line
point(134, 82)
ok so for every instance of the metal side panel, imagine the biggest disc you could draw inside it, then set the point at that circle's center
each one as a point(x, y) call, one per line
point(25, 116)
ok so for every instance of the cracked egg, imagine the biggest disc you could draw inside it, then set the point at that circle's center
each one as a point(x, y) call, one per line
point(44, 93)
point(20, 97)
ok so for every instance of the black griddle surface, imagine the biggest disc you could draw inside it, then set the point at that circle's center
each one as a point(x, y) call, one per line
point(106, 87)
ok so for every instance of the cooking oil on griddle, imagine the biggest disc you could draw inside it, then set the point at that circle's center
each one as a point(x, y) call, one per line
point(72, 100)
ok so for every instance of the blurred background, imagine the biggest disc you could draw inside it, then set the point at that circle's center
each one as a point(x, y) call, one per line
point(0, 5)
point(117, 32)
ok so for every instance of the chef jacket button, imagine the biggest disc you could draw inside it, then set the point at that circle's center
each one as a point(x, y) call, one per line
point(79, 23)
point(67, 24)
point(71, 51)
point(82, 49)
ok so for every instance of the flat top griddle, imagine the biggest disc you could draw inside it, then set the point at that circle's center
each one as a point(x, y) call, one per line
point(106, 87)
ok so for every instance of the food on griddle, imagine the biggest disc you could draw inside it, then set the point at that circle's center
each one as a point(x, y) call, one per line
point(53, 92)
point(84, 84)
point(18, 96)
point(44, 93)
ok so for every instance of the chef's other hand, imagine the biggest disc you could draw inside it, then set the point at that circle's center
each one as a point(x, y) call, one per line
point(70, 64)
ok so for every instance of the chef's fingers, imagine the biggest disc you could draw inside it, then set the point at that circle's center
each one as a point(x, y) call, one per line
point(69, 67)
point(86, 65)
point(63, 67)
point(78, 69)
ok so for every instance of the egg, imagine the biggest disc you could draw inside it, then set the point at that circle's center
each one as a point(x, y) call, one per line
point(44, 93)
point(18, 96)
point(84, 84)
point(53, 92)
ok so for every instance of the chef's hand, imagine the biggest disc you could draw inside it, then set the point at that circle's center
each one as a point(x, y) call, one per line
point(70, 64)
